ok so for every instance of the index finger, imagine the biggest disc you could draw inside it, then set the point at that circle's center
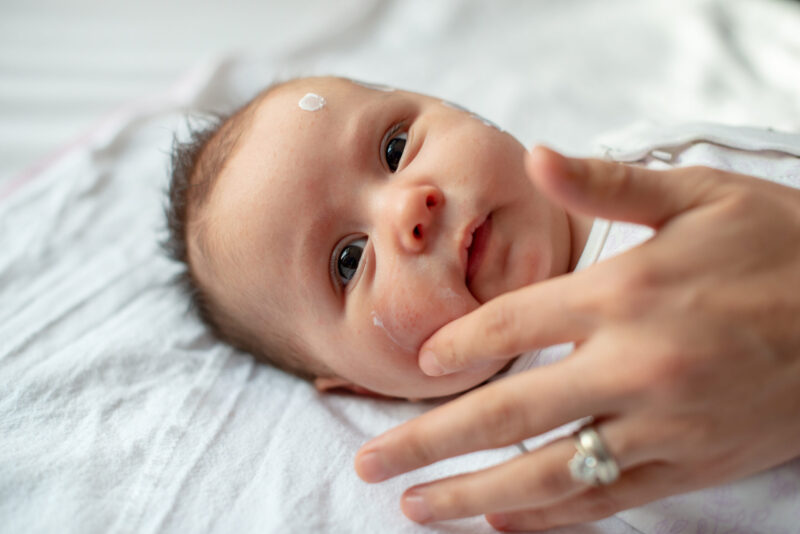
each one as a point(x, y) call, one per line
point(499, 414)
point(533, 316)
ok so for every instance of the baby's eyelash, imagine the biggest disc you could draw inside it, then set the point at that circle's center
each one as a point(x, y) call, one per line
point(393, 131)
point(332, 264)
point(336, 257)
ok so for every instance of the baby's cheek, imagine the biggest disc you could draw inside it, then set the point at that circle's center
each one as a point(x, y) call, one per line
point(409, 315)
point(399, 325)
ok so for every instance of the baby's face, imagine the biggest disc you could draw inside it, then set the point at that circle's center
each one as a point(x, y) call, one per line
point(365, 225)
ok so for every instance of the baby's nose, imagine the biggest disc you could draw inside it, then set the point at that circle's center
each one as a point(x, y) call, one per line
point(416, 211)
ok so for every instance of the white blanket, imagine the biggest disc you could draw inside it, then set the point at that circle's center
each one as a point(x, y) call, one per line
point(119, 413)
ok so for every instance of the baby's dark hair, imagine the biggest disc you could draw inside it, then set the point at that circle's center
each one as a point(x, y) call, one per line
point(196, 165)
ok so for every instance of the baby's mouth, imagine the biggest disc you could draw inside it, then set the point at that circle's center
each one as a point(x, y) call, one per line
point(477, 248)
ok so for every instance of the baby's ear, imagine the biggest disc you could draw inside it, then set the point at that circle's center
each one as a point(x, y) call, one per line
point(332, 383)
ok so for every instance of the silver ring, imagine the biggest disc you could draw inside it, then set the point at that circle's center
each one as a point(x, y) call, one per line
point(592, 463)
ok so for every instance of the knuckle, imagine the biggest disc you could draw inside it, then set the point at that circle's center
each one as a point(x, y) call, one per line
point(448, 353)
point(638, 280)
point(450, 501)
point(500, 326)
point(604, 505)
point(660, 374)
point(691, 172)
point(697, 431)
point(608, 179)
point(592, 301)
point(670, 365)
point(505, 417)
point(551, 483)
point(536, 519)
point(667, 368)
point(599, 503)
point(627, 292)
point(629, 386)
point(627, 444)
point(741, 204)
point(685, 436)
point(418, 449)
point(620, 181)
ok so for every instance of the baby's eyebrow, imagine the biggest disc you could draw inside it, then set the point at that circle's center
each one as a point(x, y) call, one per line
point(365, 133)
point(312, 235)
point(358, 134)
point(313, 249)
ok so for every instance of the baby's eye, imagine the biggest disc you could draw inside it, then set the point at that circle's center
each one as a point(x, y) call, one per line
point(349, 257)
point(394, 150)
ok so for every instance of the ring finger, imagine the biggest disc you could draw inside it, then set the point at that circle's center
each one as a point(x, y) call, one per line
point(533, 479)
point(640, 485)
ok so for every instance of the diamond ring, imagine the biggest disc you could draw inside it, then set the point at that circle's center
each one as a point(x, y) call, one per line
point(592, 463)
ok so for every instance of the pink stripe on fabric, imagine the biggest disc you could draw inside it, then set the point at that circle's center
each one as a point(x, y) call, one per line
point(83, 139)
point(174, 94)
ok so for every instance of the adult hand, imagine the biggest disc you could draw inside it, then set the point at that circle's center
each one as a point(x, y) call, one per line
point(688, 354)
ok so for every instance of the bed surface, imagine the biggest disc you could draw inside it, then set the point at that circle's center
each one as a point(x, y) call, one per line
point(118, 412)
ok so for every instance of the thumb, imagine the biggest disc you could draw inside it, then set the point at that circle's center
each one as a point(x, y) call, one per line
point(618, 191)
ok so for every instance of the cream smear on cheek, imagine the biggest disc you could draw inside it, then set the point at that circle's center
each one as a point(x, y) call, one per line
point(390, 332)
point(408, 320)
point(311, 102)
point(472, 114)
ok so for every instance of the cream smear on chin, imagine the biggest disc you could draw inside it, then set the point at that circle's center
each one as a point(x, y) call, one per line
point(487, 122)
point(311, 102)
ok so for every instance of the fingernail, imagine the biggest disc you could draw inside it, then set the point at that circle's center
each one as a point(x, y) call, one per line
point(371, 467)
point(538, 146)
point(498, 521)
point(416, 509)
point(430, 364)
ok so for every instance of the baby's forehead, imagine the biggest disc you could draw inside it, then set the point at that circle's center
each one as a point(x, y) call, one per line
point(327, 88)
point(290, 108)
point(265, 183)
point(297, 123)
point(326, 96)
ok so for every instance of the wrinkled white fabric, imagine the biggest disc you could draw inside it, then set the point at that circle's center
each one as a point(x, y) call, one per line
point(118, 412)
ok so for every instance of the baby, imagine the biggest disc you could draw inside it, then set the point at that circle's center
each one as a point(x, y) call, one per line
point(329, 227)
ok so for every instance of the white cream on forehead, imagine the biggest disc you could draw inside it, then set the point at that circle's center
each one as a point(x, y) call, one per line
point(373, 86)
point(311, 102)
point(472, 114)
point(453, 105)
